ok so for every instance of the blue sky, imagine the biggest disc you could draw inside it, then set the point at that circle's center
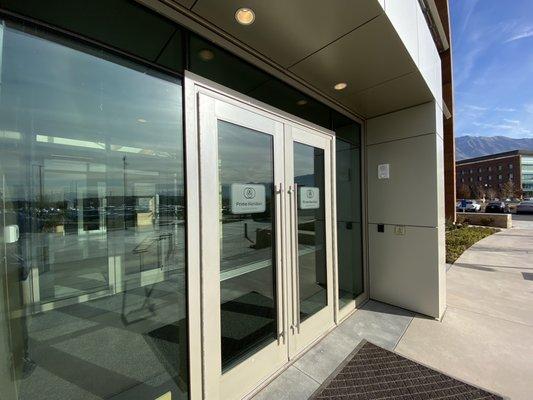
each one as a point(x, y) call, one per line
point(493, 67)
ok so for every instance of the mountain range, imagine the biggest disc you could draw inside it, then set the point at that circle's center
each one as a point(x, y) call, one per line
point(476, 146)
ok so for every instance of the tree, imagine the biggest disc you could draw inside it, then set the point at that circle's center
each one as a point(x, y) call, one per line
point(507, 189)
point(478, 191)
point(463, 192)
point(491, 193)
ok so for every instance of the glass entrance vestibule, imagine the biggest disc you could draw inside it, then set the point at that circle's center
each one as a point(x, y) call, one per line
point(118, 264)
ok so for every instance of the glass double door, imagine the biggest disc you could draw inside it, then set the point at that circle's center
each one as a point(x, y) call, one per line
point(266, 248)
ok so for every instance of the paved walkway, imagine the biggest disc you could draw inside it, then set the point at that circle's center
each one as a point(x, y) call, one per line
point(486, 335)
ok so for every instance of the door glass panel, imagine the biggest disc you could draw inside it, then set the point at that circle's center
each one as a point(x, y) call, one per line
point(309, 175)
point(349, 239)
point(91, 151)
point(247, 242)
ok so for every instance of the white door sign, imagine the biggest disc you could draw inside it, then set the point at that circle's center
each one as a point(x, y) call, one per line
point(247, 198)
point(308, 198)
point(383, 171)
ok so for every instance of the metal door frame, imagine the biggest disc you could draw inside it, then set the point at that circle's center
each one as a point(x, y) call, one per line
point(201, 344)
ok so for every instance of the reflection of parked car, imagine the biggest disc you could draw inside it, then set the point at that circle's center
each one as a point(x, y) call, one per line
point(525, 207)
point(497, 207)
point(472, 206)
point(468, 206)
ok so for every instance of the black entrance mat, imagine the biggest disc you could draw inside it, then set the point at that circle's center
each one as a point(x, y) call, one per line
point(372, 373)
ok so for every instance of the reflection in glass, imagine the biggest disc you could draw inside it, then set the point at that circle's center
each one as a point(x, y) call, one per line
point(309, 173)
point(215, 63)
point(247, 266)
point(349, 245)
point(97, 279)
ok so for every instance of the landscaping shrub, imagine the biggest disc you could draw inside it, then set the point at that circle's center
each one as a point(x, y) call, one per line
point(458, 239)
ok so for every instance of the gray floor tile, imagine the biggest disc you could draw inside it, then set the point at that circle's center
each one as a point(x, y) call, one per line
point(321, 360)
point(292, 384)
point(378, 323)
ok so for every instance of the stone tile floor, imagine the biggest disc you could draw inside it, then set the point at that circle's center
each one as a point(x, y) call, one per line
point(376, 322)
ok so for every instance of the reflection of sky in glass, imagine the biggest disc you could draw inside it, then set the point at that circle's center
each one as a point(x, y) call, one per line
point(304, 164)
point(74, 95)
point(246, 154)
point(60, 103)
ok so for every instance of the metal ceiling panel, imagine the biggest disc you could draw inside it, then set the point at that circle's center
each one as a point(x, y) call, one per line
point(288, 31)
point(368, 56)
point(396, 94)
point(185, 3)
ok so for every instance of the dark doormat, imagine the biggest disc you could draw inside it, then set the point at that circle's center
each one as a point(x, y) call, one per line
point(372, 373)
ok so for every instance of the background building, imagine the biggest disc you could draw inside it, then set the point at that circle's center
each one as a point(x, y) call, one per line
point(502, 175)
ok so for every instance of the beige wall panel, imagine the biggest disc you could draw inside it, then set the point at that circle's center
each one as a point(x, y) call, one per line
point(407, 270)
point(414, 121)
point(404, 268)
point(409, 196)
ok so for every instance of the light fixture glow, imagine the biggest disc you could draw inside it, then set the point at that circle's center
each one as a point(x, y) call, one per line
point(301, 102)
point(245, 16)
point(206, 55)
point(340, 86)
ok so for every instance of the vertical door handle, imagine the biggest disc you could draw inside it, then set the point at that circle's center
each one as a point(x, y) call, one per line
point(278, 189)
point(295, 273)
point(296, 258)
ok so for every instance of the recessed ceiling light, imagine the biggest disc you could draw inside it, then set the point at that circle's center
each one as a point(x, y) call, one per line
point(206, 55)
point(245, 16)
point(340, 86)
point(141, 120)
point(301, 102)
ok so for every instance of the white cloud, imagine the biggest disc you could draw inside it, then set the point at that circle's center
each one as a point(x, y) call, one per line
point(525, 33)
point(529, 108)
point(511, 128)
point(476, 108)
point(504, 109)
point(512, 121)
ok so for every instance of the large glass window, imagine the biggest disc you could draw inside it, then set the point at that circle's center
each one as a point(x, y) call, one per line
point(91, 170)
point(349, 231)
point(527, 175)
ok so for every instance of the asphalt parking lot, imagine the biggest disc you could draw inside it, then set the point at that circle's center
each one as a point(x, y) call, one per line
point(523, 221)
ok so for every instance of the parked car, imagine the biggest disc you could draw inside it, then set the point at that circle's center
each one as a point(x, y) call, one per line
point(525, 207)
point(468, 206)
point(497, 207)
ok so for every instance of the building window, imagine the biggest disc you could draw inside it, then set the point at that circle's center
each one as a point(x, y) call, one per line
point(462, 180)
point(471, 171)
point(510, 166)
point(350, 262)
point(490, 177)
point(100, 145)
point(500, 167)
point(511, 176)
point(500, 177)
point(471, 179)
point(479, 178)
point(479, 169)
point(490, 168)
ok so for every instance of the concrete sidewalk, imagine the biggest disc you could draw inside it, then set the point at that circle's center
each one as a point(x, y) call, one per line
point(486, 335)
